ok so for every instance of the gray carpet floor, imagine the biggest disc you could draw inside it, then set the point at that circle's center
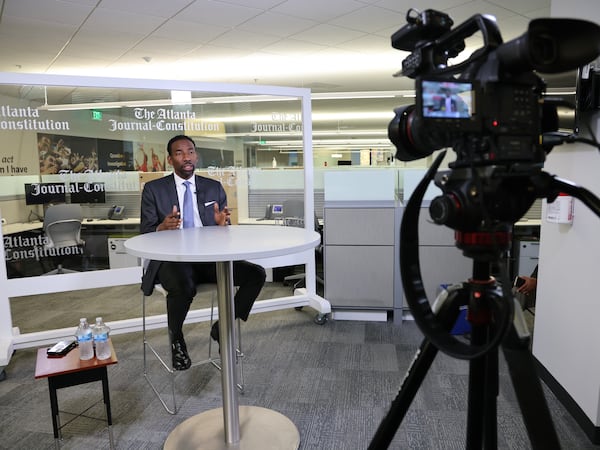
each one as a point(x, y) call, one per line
point(335, 382)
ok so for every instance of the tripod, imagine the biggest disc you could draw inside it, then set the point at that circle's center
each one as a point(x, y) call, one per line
point(480, 291)
point(483, 234)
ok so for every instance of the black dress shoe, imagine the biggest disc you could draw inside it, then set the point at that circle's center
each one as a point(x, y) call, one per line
point(214, 332)
point(181, 359)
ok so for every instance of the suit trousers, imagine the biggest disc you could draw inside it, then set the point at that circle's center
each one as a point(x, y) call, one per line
point(180, 279)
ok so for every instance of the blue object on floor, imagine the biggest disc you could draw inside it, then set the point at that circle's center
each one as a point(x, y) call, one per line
point(462, 325)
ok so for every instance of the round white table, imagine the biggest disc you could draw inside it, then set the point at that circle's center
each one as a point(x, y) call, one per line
point(223, 245)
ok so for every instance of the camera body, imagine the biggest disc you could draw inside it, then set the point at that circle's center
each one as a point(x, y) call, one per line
point(490, 109)
point(484, 121)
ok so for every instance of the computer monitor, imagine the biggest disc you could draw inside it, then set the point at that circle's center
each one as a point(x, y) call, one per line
point(44, 193)
point(87, 192)
point(276, 210)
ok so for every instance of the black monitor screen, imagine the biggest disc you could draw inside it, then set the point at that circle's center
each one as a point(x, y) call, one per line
point(89, 192)
point(44, 193)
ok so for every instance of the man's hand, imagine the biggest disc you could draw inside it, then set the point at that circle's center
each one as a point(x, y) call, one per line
point(221, 217)
point(171, 222)
point(529, 286)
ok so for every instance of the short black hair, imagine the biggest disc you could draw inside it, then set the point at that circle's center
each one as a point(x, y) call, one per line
point(177, 138)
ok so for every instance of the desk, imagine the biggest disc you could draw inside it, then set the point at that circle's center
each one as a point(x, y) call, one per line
point(19, 227)
point(71, 371)
point(224, 245)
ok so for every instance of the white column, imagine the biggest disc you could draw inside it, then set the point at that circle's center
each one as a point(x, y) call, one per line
point(567, 331)
point(6, 346)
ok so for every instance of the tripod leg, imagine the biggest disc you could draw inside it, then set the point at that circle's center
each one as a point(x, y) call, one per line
point(528, 387)
point(490, 425)
point(483, 392)
point(448, 312)
point(410, 385)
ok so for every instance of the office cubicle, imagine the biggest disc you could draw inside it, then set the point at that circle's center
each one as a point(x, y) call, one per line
point(101, 139)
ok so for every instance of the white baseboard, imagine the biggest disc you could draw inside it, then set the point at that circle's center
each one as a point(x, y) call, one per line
point(371, 316)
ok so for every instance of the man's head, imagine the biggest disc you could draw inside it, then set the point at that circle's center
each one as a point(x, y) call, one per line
point(182, 155)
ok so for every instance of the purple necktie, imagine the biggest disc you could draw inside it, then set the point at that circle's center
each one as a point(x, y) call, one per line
point(188, 207)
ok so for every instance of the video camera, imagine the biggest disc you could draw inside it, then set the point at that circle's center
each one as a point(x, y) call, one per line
point(490, 109)
point(502, 112)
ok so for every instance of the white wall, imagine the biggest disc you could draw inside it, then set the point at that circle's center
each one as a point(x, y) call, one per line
point(567, 335)
point(567, 330)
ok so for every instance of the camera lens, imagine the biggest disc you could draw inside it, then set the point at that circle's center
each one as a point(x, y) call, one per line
point(411, 139)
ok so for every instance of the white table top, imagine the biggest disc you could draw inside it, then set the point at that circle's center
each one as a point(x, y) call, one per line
point(230, 243)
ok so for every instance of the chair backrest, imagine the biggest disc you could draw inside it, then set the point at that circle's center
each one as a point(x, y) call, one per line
point(293, 214)
point(62, 225)
point(293, 208)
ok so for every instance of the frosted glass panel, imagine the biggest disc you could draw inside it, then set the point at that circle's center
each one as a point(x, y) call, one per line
point(360, 185)
point(412, 177)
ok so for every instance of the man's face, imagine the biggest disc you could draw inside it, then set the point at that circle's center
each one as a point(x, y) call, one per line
point(183, 158)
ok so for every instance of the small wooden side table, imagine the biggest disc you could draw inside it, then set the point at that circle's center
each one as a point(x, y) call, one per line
point(69, 370)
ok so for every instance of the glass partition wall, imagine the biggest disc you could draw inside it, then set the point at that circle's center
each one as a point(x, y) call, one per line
point(95, 142)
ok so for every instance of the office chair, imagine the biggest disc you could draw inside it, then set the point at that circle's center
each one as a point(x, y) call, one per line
point(166, 365)
point(293, 216)
point(62, 226)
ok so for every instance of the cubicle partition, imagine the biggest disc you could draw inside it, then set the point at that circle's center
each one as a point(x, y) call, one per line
point(363, 210)
point(96, 141)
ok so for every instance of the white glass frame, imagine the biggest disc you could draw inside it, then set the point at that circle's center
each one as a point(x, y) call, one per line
point(10, 339)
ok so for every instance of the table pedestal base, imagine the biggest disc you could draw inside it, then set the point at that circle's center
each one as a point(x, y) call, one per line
point(260, 428)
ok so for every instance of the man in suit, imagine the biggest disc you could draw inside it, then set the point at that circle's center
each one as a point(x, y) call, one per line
point(161, 209)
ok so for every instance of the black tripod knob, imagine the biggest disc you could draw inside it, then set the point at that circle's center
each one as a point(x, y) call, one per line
point(444, 209)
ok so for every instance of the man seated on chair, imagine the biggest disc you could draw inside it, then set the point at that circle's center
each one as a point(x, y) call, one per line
point(163, 202)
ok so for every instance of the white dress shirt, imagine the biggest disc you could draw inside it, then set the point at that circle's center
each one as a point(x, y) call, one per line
point(181, 192)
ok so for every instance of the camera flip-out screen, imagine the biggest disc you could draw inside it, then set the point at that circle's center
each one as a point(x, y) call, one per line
point(447, 99)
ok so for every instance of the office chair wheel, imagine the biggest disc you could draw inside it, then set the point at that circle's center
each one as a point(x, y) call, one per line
point(320, 319)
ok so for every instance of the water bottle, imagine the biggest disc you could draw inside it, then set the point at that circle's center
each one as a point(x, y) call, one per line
point(101, 339)
point(84, 340)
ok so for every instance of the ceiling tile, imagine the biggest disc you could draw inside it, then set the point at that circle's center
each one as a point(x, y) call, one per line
point(212, 12)
point(108, 22)
point(403, 6)
point(260, 4)
point(114, 40)
point(319, 10)
point(68, 63)
point(189, 31)
point(154, 44)
point(328, 35)
point(214, 52)
point(521, 7)
point(276, 24)
point(238, 35)
point(244, 40)
point(47, 11)
point(155, 8)
point(369, 19)
point(28, 61)
point(108, 50)
point(15, 29)
point(370, 44)
point(136, 57)
point(293, 47)
point(465, 11)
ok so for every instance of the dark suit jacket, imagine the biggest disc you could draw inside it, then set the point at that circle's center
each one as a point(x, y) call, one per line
point(158, 198)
